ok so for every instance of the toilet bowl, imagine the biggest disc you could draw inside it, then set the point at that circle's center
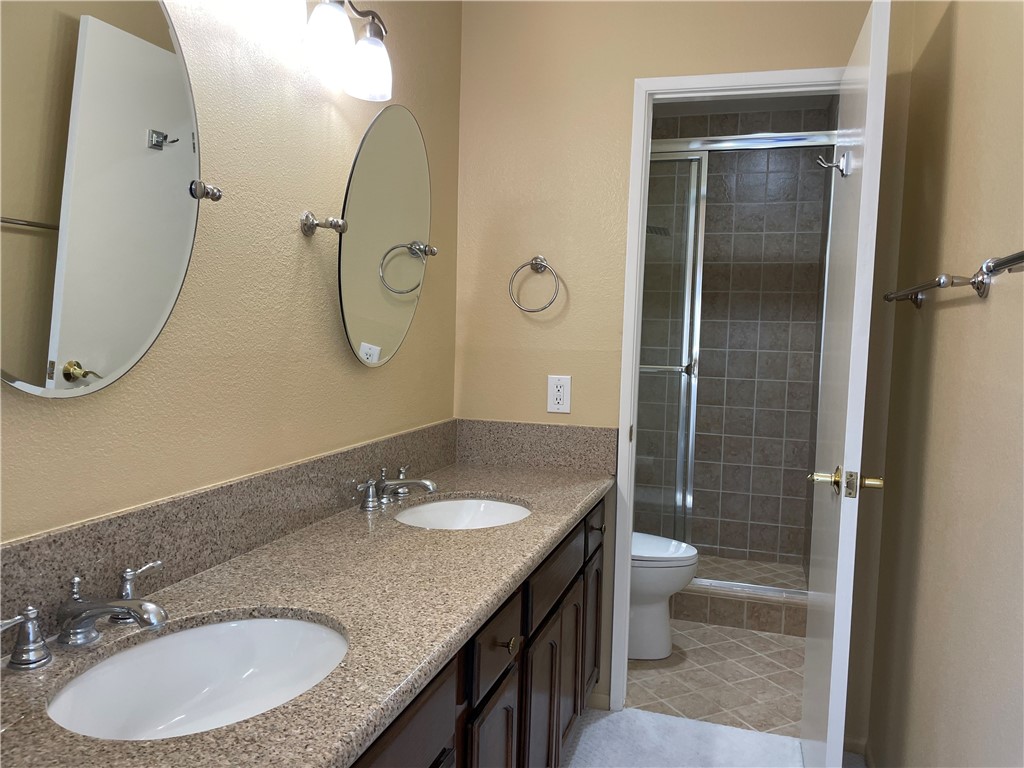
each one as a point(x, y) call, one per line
point(660, 568)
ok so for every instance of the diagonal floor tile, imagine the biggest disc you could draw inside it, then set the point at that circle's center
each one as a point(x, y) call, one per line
point(693, 705)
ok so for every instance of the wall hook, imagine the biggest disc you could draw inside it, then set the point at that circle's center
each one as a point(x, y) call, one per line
point(843, 164)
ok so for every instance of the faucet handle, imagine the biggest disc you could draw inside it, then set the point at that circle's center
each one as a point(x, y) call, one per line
point(403, 490)
point(370, 501)
point(128, 576)
point(127, 590)
point(30, 651)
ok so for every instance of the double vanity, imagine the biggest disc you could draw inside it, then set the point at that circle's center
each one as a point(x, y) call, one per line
point(294, 624)
point(477, 645)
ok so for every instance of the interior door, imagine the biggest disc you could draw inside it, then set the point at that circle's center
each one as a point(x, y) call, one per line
point(848, 285)
point(112, 264)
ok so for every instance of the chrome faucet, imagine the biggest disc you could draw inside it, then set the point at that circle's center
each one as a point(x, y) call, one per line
point(78, 615)
point(392, 488)
point(377, 493)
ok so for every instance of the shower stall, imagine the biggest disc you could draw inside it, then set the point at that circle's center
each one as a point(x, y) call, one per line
point(737, 233)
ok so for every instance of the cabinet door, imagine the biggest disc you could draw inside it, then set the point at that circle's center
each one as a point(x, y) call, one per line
point(570, 694)
point(494, 733)
point(594, 575)
point(425, 733)
point(540, 695)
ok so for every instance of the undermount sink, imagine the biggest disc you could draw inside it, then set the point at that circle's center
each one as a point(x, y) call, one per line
point(462, 514)
point(198, 679)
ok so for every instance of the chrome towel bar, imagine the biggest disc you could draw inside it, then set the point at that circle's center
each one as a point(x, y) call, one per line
point(27, 223)
point(981, 280)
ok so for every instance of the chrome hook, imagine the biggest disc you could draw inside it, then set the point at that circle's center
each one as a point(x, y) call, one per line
point(842, 165)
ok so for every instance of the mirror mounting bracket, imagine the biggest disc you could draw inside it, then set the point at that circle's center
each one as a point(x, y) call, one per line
point(308, 224)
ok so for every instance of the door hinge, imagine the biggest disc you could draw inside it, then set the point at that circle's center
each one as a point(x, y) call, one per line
point(631, 433)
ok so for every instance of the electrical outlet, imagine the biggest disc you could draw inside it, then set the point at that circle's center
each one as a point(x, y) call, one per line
point(559, 389)
point(369, 353)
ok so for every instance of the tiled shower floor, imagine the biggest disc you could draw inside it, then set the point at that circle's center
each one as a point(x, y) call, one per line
point(736, 677)
point(751, 572)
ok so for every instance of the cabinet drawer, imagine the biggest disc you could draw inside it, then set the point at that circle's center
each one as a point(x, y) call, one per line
point(595, 528)
point(496, 646)
point(424, 734)
point(550, 580)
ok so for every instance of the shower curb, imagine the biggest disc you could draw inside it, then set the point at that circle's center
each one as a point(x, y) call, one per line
point(745, 606)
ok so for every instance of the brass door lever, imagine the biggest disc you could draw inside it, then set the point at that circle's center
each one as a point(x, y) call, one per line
point(73, 371)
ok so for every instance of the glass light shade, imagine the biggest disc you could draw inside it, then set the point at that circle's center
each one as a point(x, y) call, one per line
point(329, 42)
point(369, 71)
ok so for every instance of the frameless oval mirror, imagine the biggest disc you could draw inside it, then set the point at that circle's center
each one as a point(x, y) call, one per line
point(99, 148)
point(382, 257)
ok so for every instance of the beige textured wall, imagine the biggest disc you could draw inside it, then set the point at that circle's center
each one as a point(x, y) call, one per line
point(947, 686)
point(547, 99)
point(252, 370)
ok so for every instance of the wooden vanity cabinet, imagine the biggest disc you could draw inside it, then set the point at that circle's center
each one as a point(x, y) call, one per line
point(511, 697)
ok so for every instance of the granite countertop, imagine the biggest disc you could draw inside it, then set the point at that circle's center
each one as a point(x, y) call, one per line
point(407, 600)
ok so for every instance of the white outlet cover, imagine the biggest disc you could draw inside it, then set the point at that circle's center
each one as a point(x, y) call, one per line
point(559, 392)
point(369, 353)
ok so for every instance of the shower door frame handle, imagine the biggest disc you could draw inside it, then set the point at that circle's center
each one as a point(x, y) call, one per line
point(690, 369)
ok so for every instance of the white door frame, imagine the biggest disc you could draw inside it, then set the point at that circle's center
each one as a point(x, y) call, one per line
point(646, 92)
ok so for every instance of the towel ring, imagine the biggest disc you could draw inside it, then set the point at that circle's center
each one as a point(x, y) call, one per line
point(418, 250)
point(537, 264)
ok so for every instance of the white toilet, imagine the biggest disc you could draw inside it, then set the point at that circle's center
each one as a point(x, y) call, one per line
point(661, 567)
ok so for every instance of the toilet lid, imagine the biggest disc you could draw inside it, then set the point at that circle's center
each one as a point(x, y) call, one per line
point(648, 548)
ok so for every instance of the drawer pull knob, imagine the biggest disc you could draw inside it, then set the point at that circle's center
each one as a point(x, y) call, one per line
point(512, 645)
point(601, 530)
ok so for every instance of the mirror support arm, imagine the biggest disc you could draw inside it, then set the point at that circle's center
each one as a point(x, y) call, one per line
point(308, 224)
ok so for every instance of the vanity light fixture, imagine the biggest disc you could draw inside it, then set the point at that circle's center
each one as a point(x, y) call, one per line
point(362, 69)
point(329, 42)
point(369, 76)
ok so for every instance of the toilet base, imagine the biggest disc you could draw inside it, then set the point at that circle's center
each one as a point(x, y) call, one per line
point(650, 634)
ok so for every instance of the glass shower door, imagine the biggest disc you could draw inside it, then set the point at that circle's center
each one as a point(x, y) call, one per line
point(666, 407)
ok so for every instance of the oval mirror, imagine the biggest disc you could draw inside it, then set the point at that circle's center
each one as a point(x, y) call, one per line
point(382, 256)
point(99, 148)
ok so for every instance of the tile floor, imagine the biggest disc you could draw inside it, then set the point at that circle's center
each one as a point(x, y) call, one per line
point(751, 572)
point(736, 677)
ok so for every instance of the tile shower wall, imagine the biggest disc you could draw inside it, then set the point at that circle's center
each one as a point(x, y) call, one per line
point(760, 313)
point(760, 327)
